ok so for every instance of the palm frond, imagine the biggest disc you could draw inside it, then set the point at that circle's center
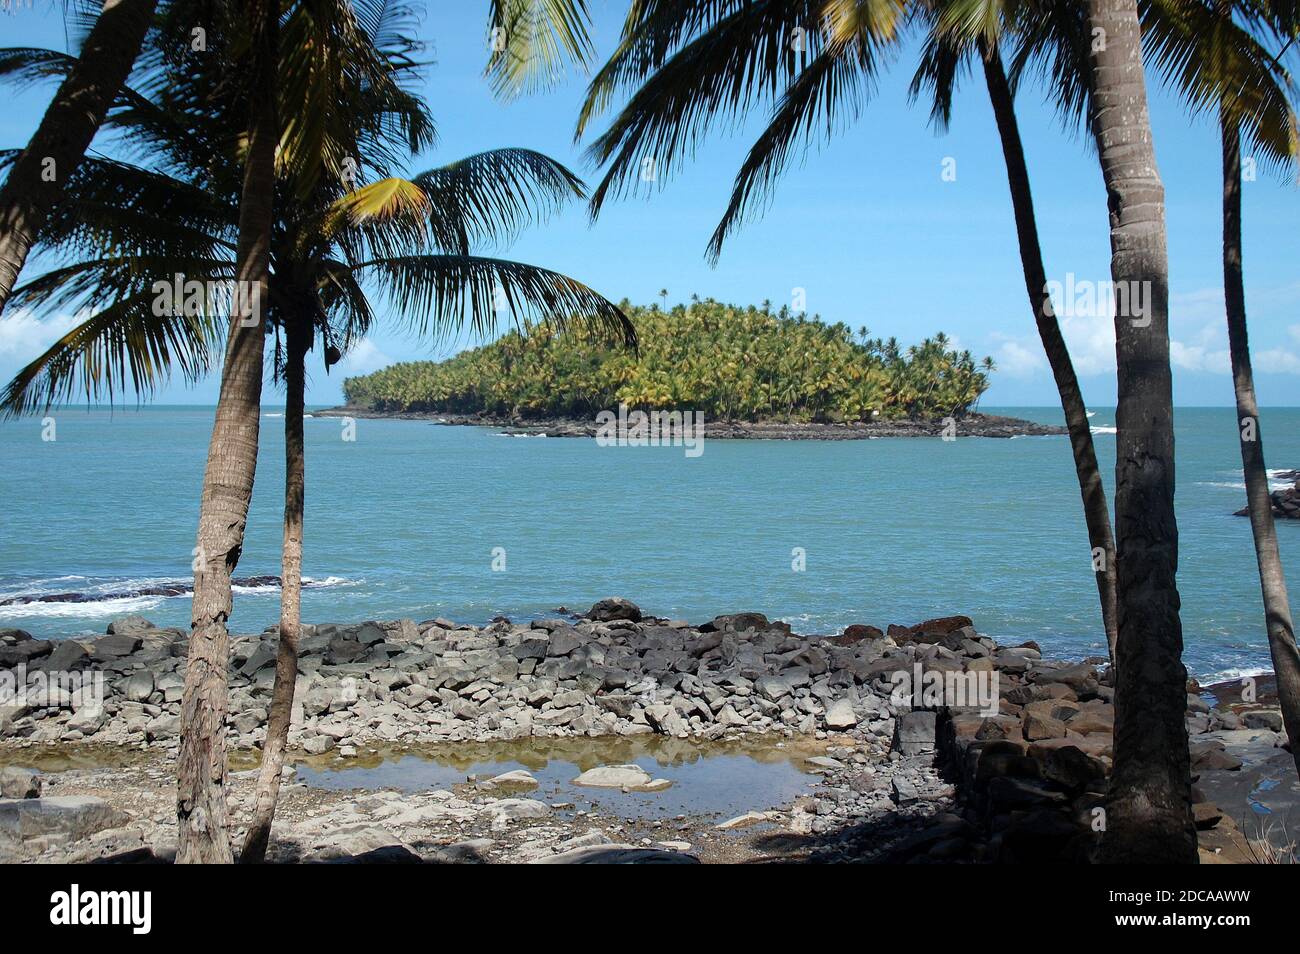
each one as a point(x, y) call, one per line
point(25, 67)
point(745, 57)
point(1217, 64)
point(101, 283)
point(447, 296)
point(1052, 41)
point(942, 65)
point(387, 216)
point(125, 344)
point(651, 30)
point(344, 303)
point(114, 208)
point(829, 90)
point(490, 196)
point(532, 42)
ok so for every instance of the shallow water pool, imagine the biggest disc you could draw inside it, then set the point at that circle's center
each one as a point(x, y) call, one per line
point(719, 778)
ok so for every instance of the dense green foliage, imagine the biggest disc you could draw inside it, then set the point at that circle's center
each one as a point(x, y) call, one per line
point(726, 362)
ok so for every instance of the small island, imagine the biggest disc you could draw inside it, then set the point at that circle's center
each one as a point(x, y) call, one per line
point(751, 372)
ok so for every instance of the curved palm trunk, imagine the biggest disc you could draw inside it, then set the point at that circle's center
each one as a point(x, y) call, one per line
point(1149, 812)
point(69, 124)
point(286, 661)
point(201, 811)
point(1272, 581)
point(1096, 512)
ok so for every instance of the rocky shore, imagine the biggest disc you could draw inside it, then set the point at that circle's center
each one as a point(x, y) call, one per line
point(970, 425)
point(1286, 502)
point(928, 742)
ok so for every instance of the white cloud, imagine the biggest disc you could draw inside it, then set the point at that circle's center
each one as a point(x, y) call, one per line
point(1276, 361)
point(1198, 341)
point(363, 358)
point(1017, 359)
point(1091, 340)
point(1198, 358)
point(23, 336)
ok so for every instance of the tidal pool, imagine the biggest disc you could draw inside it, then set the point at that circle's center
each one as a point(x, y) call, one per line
point(718, 778)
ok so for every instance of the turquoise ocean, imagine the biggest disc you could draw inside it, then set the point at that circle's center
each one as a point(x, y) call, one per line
point(421, 520)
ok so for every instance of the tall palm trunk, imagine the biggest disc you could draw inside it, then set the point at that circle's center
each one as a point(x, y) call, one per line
point(1272, 582)
point(1149, 812)
point(201, 810)
point(1096, 513)
point(286, 661)
point(69, 124)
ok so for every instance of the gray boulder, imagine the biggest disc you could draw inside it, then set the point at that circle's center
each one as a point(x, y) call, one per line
point(72, 816)
point(840, 715)
point(140, 686)
point(915, 732)
point(129, 624)
point(115, 646)
point(18, 782)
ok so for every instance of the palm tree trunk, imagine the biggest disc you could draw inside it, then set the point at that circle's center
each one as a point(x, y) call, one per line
point(1272, 581)
point(1096, 512)
point(286, 661)
point(1149, 810)
point(201, 811)
point(69, 124)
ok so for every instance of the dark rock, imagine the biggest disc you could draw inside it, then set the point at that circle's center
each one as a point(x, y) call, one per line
point(1207, 756)
point(1263, 719)
point(618, 855)
point(856, 633)
point(1068, 765)
point(614, 608)
point(914, 732)
point(115, 646)
point(941, 626)
point(263, 657)
point(1005, 791)
point(740, 622)
point(532, 649)
point(67, 654)
point(564, 640)
point(24, 652)
point(342, 651)
point(1043, 836)
point(1206, 815)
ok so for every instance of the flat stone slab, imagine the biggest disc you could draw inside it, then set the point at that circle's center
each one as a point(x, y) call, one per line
point(614, 776)
point(618, 855)
point(75, 816)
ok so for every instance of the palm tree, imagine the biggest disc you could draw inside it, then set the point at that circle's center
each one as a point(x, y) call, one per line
point(1247, 86)
point(324, 258)
point(65, 131)
point(698, 63)
point(487, 197)
point(959, 29)
point(1149, 816)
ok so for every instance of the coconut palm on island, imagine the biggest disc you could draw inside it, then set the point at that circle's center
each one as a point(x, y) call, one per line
point(727, 362)
point(253, 192)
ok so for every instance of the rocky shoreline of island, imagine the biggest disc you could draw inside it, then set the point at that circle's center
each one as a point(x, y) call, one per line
point(929, 742)
point(968, 425)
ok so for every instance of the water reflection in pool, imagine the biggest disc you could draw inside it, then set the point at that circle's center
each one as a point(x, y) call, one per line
point(725, 778)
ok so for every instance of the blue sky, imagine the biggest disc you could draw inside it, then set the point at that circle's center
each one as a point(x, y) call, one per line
point(865, 225)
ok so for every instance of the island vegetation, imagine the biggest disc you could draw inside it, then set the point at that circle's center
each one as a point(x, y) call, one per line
point(725, 361)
